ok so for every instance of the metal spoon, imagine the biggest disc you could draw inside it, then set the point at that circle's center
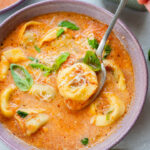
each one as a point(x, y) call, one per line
point(102, 74)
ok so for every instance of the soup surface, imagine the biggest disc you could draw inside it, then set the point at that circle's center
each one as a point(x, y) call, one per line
point(34, 101)
point(6, 3)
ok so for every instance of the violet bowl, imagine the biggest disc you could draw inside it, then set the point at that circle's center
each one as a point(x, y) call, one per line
point(11, 6)
point(120, 29)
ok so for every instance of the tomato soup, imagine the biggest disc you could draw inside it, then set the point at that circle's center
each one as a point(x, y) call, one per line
point(41, 83)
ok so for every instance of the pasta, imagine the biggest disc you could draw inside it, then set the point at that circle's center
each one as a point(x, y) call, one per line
point(4, 98)
point(43, 92)
point(34, 124)
point(51, 35)
point(116, 110)
point(117, 73)
point(4, 68)
point(14, 55)
point(35, 119)
point(26, 25)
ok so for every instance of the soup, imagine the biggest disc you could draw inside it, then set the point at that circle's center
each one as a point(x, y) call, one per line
point(6, 3)
point(42, 84)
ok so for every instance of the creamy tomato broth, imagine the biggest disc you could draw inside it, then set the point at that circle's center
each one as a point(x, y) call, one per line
point(6, 3)
point(40, 80)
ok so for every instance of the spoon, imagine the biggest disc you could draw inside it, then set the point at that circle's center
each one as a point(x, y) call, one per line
point(102, 73)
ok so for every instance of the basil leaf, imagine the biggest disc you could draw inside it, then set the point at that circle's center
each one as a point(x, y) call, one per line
point(108, 115)
point(92, 60)
point(93, 43)
point(33, 59)
point(41, 67)
point(22, 114)
point(85, 141)
point(68, 25)
point(149, 54)
point(21, 77)
point(60, 60)
point(60, 32)
point(37, 49)
point(107, 50)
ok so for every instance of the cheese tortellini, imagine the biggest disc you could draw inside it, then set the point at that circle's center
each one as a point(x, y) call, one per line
point(115, 111)
point(35, 119)
point(119, 76)
point(43, 92)
point(51, 35)
point(13, 55)
point(4, 101)
point(34, 124)
point(26, 25)
point(77, 84)
point(4, 66)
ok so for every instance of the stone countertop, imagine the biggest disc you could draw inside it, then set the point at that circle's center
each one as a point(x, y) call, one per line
point(139, 23)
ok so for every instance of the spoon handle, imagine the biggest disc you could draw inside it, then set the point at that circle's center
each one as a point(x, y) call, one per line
point(105, 37)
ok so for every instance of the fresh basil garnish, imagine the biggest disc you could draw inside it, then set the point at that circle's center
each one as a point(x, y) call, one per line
point(107, 50)
point(42, 67)
point(22, 114)
point(33, 59)
point(85, 141)
point(108, 115)
point(68, 25)
point(93, 43)
point(60, 32)
point(21, 77)
point(92, 60)
point(58, 62)
point(37, 49)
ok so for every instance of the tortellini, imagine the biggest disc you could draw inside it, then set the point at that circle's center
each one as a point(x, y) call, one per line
point(4, 98)
point(77, 84)
point(119, 76)
point(14, 55)
point(51, 35)
point(4, 66)
point(26, 25)
point(43, 92)
point(34, 124)
point(35, 119)
point(115, 111)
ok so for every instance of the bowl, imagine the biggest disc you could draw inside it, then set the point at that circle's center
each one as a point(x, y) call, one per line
point(11, 6)
point(120, 29)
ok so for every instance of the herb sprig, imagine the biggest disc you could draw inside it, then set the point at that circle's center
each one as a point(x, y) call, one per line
point(93, 43)
point(85, 141)
point(92, 60)
point(22, 114)
point(37, 49)
point(107, 51)
point(21, 77)
point(68, 25)
point(58, 62)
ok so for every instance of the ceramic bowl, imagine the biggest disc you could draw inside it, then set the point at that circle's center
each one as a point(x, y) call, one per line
point(11, 6)
point(120, 29)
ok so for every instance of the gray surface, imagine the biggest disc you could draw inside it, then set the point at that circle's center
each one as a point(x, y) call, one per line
point(139, 23)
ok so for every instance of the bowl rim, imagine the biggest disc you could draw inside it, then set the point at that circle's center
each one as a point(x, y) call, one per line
point(11, 6)
point(90, 6)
